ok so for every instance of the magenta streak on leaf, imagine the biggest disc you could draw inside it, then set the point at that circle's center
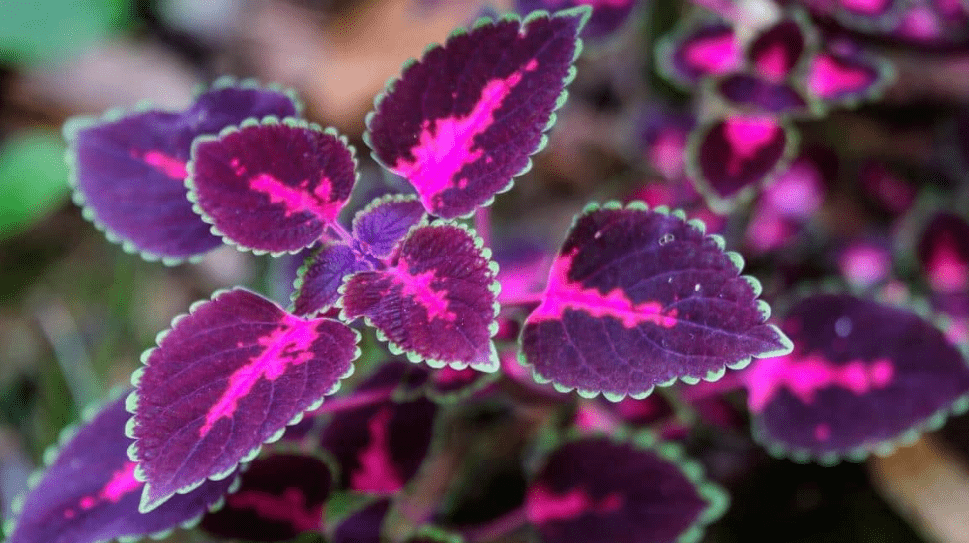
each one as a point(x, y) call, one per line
point(920, 22)
point(168, 165)
point(864, 264)
point(419, 287)
point(122, 483)
point(299, 199)
point(448, 146)
point(714, 55)
point(450, 376)
point(822, 432)
point(666, 154)
point(804, 376)
point(868, 7)
point(746, 136)
point(286, 346)
point(289, 507)
point(827, 78)
point(544, 505)
point(561, 295)
point(947, 270)
point(773, 63)
point(377, 472)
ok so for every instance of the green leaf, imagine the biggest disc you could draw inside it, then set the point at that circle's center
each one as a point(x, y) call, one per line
point(33, 179)
point(45, 30)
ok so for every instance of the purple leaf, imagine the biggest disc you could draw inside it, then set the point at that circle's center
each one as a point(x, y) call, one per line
point(437, 304)
point(128, 169)
point(226, 378)
point(460, 139)
point(778, 50)
point(760, 95)
point(448, 385)
point(381, 446)
point(385, 221)
point(863, 375)
point(280, 497)
point(787, 204)
point(595, 489)
point(845, 76)
point(731, 157)
point(287, 204)
point(639, 298)
point(697, 49)
point(319, 280)
point(364, 525)
point(608, 16)
point(943, 252)
point(89, 492)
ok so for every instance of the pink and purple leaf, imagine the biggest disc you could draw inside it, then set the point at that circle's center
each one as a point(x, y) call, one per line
point(128, 169)
point(228, 377)
point(461, 122)
point(437, 303)
point(288, 178)
point(863, 377)
point(638, 298)
point(319, 280)
point(88, 492)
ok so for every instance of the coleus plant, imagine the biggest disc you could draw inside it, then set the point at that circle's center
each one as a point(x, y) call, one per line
point(637, 297)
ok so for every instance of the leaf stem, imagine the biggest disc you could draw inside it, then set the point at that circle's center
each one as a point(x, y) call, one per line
point(341, 233)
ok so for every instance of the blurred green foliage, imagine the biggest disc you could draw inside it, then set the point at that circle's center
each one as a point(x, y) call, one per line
point(37, 31)
point(33, 179)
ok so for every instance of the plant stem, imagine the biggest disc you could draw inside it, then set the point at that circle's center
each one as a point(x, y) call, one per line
point(501, 526)
point(341, 233)
point(522, 298)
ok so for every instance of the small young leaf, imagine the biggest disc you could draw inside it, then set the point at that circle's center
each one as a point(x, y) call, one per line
point(226, 378)
point(319, 280)
point(89, 493)
point(381, 446)
point(777, 51)
point(438, 303)
point(597, 490)
point(459, 138)
point(280, 496)
point(760, 95)
point(863, 375)
point(385, 221)
point(731, 157)
point(846, 76)
point(698, 48)
point(287, 203)
point(129, 168)
point(639, 298)
point(608, 16)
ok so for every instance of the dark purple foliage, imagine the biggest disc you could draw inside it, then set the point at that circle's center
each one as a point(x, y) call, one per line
point(226, 378)
point(280, 496)
point(364, 525)
point(290, 179)
point(320, 278)
point(639, 298)
point(89, 492)
point(891, 370)
point(385, 221)
point(608, 16)
point(129, 169)
point(472, 135)
point(595, 489)
point(943, 252)
point(697, 49)
point(437, 304)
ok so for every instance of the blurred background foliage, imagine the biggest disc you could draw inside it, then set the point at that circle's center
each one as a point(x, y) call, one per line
point(76, 311)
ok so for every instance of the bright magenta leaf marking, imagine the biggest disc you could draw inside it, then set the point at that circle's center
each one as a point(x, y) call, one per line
point(827, 78)
point(715, 54)
point(166, 164)
point(868, 7)
point(448, 145)
point(561, 295)
point(418, 286)
point(377, 472)
point(544, 505)
point(947, 269)
point(450, 376)
point(285, 347)
point(747, 136)
point(289, 507)
point(804, 376)
point(773, 63)
point(299, 199)
point(122, 483)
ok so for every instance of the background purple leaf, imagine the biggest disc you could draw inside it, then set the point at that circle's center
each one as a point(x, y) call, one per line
point(595, 489)
point(943, 252)
point(608, 16)
point(364, 525)
point(844, 76)
point(460, 140)
point(288, 202)
point(320, 278)
point(639, 298)
point(696, 49)
point(226, 378)
point(437, 304)
point(89, 493)
point(385, 221)
point(778, 50)
point(128, 169)
point(862, 376)
point(280, 496)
